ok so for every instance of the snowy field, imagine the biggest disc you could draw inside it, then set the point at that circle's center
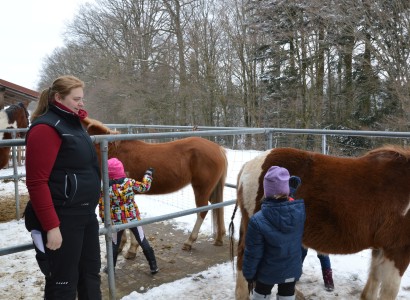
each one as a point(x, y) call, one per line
point(21, 279)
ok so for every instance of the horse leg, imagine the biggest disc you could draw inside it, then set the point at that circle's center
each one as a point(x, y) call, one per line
point(373, 281)
point(218, 214)
point(4, 157)
point(384, 275)
point(132, 250)
point(241, 288)
point(123, 241)
point(391, 280)
point(5, 151)
point(194, 234)
point(202, 194)
point(394, 265)
point(218, 223)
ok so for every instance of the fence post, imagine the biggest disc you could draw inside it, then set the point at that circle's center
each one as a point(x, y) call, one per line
point(269, 135)
point(107, 218)
point(324, 151)
point(16, 178)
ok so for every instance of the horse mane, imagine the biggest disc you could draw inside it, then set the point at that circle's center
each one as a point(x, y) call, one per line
point(95, 127)
point(13, 108)
point(21, 104)
point(390, 152)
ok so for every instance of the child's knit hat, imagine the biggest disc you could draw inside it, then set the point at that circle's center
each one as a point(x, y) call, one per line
point(276, 182)
point(115, 169)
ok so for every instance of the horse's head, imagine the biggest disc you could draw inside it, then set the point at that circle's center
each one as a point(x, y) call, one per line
point(95, 127)
point(18, 117)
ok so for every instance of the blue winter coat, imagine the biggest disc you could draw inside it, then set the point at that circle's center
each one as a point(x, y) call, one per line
point(273, 242)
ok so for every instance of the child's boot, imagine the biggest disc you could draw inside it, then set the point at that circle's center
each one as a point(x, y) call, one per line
point(328, 280)
point(150, 256)
point(279, 297)
point(257, 296)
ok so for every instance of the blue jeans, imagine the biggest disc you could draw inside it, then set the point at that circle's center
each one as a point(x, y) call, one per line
point(324, 259)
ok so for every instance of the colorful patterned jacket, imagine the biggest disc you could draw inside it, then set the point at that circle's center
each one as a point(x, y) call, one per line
point(122, 192)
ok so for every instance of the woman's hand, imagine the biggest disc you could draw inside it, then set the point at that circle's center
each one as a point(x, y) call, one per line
point(54, 239)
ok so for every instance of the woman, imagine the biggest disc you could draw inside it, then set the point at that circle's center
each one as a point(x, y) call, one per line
point(63, 181)
point(274, 239)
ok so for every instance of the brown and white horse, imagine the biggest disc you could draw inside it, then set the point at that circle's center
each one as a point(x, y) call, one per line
point(193, 160)
point(14, 116)
point(351, 204)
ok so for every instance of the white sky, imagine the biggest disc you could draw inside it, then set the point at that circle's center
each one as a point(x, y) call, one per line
point(21, 278)
point(31, 30)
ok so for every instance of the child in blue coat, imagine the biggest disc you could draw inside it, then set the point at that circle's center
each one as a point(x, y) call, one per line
point(273, 240)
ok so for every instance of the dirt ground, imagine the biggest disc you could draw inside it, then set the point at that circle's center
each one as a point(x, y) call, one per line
point(8, 207)
point(174, 263)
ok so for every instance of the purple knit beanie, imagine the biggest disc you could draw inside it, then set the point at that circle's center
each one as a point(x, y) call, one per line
point(115, 169)
point(276, 182)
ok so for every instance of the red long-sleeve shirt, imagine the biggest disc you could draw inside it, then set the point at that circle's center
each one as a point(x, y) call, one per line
point(43, 144)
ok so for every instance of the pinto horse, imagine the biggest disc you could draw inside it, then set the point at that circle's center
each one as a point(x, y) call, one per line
point(193, 160)
point(351, 204)
point(15, 116)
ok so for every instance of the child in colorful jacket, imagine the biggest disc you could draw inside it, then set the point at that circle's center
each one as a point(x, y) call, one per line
point(124, 209)
point(273, 240)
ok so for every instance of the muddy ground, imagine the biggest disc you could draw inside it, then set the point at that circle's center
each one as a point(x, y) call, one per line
point(174, 263)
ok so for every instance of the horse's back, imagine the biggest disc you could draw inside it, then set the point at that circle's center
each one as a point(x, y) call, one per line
point(344, 197)
point(178, 163)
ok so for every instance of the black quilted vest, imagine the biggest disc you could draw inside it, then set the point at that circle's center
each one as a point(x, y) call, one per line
point(75, 181)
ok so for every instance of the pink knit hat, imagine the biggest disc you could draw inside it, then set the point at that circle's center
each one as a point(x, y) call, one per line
point(276, 182)
point(115, 169)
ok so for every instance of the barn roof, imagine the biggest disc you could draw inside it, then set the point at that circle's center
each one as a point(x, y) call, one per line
point(11, 93)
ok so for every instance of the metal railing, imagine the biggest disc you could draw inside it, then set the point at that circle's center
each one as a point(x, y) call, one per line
point(103, 140)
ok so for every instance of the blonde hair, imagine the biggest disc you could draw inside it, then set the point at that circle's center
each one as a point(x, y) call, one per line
point(63, 86)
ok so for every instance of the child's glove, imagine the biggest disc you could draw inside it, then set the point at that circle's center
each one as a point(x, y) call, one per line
point(150, 172)
point(294, 183)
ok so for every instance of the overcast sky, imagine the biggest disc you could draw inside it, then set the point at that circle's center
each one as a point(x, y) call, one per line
point(31, 30)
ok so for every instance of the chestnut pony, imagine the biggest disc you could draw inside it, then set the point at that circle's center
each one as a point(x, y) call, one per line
point(193, 160)
point(14, 116)
point(351, 204)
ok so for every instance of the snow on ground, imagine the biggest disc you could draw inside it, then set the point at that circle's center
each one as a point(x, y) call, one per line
point(21, 279)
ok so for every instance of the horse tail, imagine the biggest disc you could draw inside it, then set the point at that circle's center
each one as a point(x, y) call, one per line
point(217, 197)
point(231, 233)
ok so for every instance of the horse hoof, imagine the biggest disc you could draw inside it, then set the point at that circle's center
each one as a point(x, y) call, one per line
point(130, 255)
point(218, 243)
point(187, 247)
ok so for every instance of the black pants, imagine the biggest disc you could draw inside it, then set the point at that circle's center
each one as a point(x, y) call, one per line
point(284, 289)
point(139, 236)
point(74, 268)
